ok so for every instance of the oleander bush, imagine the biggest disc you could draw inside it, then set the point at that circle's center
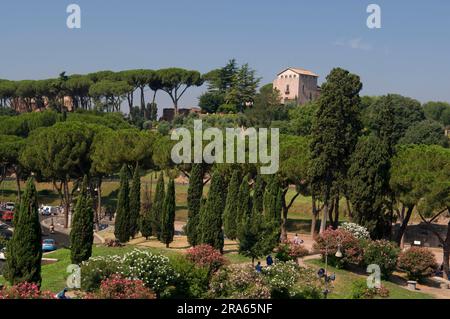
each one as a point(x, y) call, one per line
point(193, 280)
point(25, 290)
point(118, 287)
point(288, 250)
point(97, 269)
point(417, 262)
point(206, 256)
point(382, 253)
point(329, 241)
point(360, 232)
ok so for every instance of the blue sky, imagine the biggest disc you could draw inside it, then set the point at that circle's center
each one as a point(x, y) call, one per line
point(409, 55)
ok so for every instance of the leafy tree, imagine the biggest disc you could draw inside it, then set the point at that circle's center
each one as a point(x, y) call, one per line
point(122, 222)
point(368, 186)
point(334, 136)
point(438, 111)
point(194, 197)
point(135, 203)
point(82, 232)
point(168, 215)
point(392, 115)
point(230, 215)
point(59, 153)
point(301, 119)
point(146, 220)
point(266, 107)
point(427, 132)
point(243, 88)
point(158, 205)
point(109, 94)
point(175, 82)
point(209, 102)
point(24, 250)
point(210, 224)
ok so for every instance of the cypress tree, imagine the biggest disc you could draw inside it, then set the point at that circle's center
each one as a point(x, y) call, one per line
point(135, 202)
point(168, 215)
point(194, 197)
point(82, 235)
point(231, 207)
point(122, 225)
point(157, 207)
point(146, 220)
point(244, 202)
point(24, 250)
point(210, 226)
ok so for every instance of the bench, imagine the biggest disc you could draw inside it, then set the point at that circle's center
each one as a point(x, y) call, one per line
point(412, 285)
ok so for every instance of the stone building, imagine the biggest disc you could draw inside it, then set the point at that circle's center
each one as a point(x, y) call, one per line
point(297, 85)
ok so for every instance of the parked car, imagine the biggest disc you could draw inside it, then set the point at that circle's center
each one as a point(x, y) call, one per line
point(48, 210)
point(48, 245)
point(7, 216)
point(2, 253)
point(10, 206)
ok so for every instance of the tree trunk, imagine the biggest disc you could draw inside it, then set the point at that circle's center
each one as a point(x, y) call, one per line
point(99, 204)
point(401, 232)
point(66, 203)
point(323, 224)
point(349, 208)
point(314, 217)
point(336, 214)
point(446, 255)
point(19, 191)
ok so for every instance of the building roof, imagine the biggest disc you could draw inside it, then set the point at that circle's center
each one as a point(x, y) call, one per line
point(300, 71)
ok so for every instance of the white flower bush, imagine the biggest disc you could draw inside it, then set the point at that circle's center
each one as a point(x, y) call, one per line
point(360, 232)
point(154, 270)
point(282, 275)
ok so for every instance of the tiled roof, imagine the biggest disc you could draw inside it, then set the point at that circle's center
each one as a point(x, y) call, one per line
point(300, 71)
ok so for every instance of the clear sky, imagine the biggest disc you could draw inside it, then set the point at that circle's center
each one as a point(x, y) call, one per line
point(409, 55)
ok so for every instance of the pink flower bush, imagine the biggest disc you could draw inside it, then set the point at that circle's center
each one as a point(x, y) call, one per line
point(25, 290)
point(417, 262)
point(206, 256)
point(289, 250)
point(331, 239)
point(118, 287)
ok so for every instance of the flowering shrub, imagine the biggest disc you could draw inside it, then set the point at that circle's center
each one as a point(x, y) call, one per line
point(382, 253)
point(282, 277)
point(97, 269)
point(360, 232)
point(329, 241)
point(290, 251)
point(361, 291)
point(25, 291)
point(238, 283)
point(417, 262)
point(206, 256)
point(154, 270)
point(118, 287)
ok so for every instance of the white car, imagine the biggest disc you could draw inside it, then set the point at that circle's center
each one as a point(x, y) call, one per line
point(10, 206)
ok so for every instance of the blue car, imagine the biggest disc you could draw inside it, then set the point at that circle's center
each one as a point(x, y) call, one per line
point(48, 245)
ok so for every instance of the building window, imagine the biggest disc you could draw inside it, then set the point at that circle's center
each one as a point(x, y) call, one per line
point(303, 89)
point(287, 89)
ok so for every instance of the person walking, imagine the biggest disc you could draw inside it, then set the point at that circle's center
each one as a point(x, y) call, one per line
point(258, 267)
point(269, 261)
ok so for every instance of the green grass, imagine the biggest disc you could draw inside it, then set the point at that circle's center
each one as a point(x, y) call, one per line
point(344, 279)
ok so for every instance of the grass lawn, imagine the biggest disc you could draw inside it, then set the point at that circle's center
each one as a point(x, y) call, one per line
point(344, 279)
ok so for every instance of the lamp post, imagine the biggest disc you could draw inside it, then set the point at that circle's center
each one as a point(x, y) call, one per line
point(323, 273)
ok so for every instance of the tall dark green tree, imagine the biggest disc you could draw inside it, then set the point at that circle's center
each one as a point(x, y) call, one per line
point(368, 186)
point(146, 219)
point(82, 232)
point(122, 224)
point(168, 215)
point(135, 202)
point(335, 133)
point(210, 226)
point(244, 202)
point(158, 204)
point(230, 222)
point(24, 250)
point(194, 197)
